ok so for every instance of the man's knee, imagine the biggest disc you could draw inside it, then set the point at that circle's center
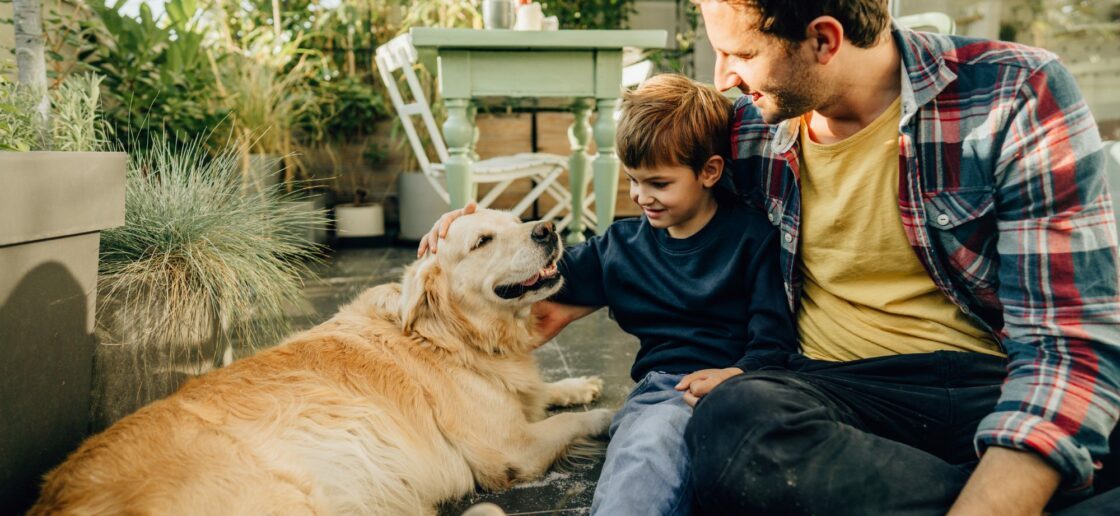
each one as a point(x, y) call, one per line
point(741, 405)
point(733, 421)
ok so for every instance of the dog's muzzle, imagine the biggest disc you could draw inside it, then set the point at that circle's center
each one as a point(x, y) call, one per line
point(544, 234)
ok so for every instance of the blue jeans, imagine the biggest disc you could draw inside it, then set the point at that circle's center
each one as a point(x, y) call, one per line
point(646, 470)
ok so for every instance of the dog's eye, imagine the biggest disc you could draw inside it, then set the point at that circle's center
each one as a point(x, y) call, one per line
point(482, 240)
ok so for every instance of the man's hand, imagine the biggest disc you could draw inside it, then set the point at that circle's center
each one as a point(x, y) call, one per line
point(1009, 482)
point(697, 384)
point(549, 318)
point(430, 241)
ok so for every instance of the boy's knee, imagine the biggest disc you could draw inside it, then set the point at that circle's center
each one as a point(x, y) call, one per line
point(659, 426)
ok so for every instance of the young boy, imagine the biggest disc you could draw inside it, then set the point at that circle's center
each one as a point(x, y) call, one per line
point(696, 279)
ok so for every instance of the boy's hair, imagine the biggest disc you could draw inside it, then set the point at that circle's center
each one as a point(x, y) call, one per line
point(673, 120)
point(863, 20)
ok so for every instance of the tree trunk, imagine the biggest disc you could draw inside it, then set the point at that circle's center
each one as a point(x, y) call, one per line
point(30, 57)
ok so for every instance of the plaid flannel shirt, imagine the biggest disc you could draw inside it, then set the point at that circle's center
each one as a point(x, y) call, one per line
point(1003, 197)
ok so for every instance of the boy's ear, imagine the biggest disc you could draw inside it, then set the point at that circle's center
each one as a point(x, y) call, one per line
point(712, 171)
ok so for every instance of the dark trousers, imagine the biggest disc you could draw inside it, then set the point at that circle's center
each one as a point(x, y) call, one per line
point(888, 435)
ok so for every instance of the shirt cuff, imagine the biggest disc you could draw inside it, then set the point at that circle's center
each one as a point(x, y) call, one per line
point(755, 360)
point(1028, 432)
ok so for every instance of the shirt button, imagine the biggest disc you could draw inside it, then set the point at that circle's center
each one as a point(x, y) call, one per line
point(943, 220)
point(770, 216)
point(789, 237)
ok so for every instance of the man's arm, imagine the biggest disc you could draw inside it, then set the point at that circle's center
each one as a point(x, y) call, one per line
point(991, 490)
point(1061, 302)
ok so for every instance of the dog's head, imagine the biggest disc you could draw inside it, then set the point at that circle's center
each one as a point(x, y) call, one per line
point(490, 266)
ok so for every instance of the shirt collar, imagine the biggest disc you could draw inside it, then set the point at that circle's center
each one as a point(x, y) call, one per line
point(924, 77)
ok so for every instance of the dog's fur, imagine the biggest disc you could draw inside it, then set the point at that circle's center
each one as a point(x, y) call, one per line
point(410, 395)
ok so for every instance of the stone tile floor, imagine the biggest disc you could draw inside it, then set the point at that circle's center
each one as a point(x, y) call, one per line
point(591, 346)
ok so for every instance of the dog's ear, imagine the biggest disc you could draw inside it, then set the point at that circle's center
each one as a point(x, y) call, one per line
point(417, 289)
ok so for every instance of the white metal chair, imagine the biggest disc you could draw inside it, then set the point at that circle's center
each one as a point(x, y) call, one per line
point(939, 23)
point(398, 55)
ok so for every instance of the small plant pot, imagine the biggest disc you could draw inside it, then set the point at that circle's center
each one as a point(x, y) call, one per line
point(359, 221)
point(314, 202)
point(420, 205)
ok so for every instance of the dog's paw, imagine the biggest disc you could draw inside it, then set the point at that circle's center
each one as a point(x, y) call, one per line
point(599, 421)
point(575, 391)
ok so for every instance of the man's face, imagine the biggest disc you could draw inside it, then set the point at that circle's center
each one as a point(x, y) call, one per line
point(782, 80)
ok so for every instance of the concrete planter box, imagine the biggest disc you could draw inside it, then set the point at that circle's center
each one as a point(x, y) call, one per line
point(53, 206)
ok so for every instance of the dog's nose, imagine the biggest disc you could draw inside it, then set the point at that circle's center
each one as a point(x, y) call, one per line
point(544, 232)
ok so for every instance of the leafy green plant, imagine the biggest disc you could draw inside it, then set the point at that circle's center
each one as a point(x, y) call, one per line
point(75, 122)
point(158, 76)
point(347, 109)
point(448, 13)
point(17, 118)
point(590, 14)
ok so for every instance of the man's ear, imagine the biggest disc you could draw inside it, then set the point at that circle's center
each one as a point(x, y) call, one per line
point(712, 171)
point(417, 290)
point(825, 34)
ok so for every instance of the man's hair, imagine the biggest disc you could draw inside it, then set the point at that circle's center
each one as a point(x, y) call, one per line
point(863, 20)
point(673, 120)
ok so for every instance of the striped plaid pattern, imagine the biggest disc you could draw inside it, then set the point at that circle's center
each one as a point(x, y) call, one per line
point(1003, 198)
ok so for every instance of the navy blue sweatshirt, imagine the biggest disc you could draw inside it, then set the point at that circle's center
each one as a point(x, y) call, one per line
point(712, 300)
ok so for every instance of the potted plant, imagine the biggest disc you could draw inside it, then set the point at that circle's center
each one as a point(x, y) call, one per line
point(265, 95)
point(364, 218)
point(198, 274)
point(58, 191)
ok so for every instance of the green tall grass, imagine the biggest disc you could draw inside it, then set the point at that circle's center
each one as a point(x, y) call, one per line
point(197, 255)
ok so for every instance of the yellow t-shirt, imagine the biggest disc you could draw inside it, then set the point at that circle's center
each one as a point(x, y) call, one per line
point(865, 292)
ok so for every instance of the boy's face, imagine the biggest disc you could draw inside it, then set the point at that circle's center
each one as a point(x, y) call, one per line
point(781, 80)
point(674, 197)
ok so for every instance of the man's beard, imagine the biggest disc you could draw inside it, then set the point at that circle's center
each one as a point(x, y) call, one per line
point(789, 104)
point(796, 93)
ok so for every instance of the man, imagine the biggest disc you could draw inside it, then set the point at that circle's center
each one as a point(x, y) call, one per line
point(949, 249)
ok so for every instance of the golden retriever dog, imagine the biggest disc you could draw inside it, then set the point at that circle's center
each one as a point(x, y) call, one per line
point(412, 394)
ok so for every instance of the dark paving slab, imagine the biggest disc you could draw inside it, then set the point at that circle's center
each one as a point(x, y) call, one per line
point(591, 346)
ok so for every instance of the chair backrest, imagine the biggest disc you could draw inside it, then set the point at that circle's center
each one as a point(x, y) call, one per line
point(939, 23)
point(398, 55)
point(635, 74)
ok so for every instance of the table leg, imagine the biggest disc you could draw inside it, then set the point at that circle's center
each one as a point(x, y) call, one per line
point(458, 132)
point(579, 137)
point(472, 116)
point(606, 164)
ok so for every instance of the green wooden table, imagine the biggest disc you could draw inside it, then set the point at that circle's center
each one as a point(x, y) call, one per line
point(577, 69)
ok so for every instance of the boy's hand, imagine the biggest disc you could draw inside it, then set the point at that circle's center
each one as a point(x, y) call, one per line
point(697, 384)
point(550, 317)
point(430, 241)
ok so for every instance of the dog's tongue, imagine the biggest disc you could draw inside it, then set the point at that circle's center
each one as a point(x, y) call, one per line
point(532, 281)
